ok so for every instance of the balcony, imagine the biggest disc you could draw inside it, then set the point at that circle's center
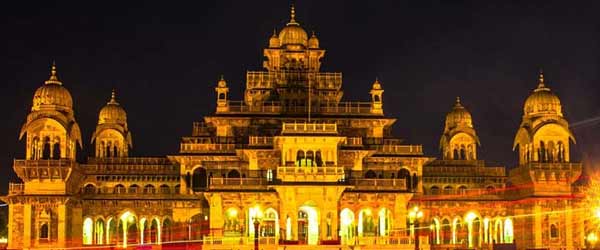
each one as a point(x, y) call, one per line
point(274, 107)
point(198, 148)
point(16, 188)
point(568, 166)
point(44, 163)
point(310, 174)
point(366, 184)
point(309, 128)
point(260, 141)
point(270, 80)
point(397, 149)
point(353, 142)
point(238, 183)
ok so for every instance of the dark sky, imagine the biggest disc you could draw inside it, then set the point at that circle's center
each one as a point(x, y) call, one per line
point(164, 59)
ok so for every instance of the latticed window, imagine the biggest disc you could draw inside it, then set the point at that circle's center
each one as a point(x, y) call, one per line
point(119, 189)
point(44, 235)
point(149, 189)
point(164, 189)
point(133, 189)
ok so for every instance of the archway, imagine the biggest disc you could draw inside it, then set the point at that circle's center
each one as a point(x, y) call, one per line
point(370, 174)
point(88, 231)
point(233, 224)
point(347, 227)
point(435, 231)
point(199, 181)
point(270, 224)
point(166, 231)
point(446, 231)
point(233, 174)
point(99, 231)
point(111, 231)
point(308, 225)
point(508, 231)
point(405, 174)
point(366, 223)
point(385, 222)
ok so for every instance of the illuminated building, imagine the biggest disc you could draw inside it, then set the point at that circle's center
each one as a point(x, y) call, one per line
point(293, 157)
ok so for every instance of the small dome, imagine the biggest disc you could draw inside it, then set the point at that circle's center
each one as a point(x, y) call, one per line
point(293, 34)
point(376, 84)
point(313, 42)
point(112, 113)
point(222, 83)
point(459, 116)
point(542, 101)
point(274, 40)
point(52, 95)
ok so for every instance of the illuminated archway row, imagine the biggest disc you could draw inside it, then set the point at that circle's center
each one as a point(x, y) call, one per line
point(126, 229)
point(367, 223)
point(472, 230)
point(238, 224)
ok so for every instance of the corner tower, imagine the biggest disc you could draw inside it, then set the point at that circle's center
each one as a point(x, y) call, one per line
point(112, 137)
point(542, 141)
point(52, 132)
point(544, 133)
point(459, 140)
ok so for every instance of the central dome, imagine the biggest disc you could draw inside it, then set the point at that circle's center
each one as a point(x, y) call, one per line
point(293, 34)
point(52, 95)
point(542, 101)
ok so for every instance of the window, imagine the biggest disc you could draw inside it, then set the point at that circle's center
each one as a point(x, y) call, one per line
point(269, 175)
point(44, 232)
point(553, 231)
point(89, 189)
point(149, 189)
point(164, 189)
point(435, 190)
point(119, 189)
point(133, 189)
point(462, 190)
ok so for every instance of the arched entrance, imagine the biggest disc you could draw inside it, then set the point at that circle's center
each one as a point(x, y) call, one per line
point(385, 222)
point(308, 225)
point(199, 180)
point(347, 227)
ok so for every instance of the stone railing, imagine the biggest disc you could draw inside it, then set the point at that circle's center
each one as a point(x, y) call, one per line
point(44, 163)
point(309, 128)
point(310, 174)
point(398, 149)
point(378, 184)
point(238, 183)
point(206, 148)
point(353, 142)
point(260, 140)
point(16, 188)
point(341, 108)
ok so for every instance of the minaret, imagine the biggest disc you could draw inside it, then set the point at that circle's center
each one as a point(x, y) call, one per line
point(376, 98)
point(52, 132)
point(459, 140)
point(112, 137)
point(222, 95)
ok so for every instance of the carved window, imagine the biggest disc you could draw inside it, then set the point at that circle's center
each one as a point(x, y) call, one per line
point(44, 235)
point(553, 231)
point(164, 189)
point(119, 189)
point(149, 189)
point(133, 189)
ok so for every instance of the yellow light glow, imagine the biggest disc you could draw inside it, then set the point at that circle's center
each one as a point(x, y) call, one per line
point(470, 217)
point(232, 213)
point(592, 238)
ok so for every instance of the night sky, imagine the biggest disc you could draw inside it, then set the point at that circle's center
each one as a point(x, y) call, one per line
point(164, 59)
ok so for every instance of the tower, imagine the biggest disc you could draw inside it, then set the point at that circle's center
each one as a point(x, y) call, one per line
point(45, 202)
point(376, 98)
point(52, 132)
point(222, 95)
point(459, 140)
point(544, 134)
point(112, 137)
point(542, 141)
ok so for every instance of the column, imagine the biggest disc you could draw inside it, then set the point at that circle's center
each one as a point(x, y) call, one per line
point(537, 225)
point(27, 227)
point(569, 226)
point(62, 229)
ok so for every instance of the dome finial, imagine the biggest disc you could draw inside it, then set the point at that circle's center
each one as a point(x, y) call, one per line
point(53, 78)
point(292, 15)
point(541, 79)
point(458, 100)
point(113, 97)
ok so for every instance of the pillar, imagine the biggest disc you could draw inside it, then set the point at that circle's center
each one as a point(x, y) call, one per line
point(27, 227)
point(62, 223)
point(537, 226)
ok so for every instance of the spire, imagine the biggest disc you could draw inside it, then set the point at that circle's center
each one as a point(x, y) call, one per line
point(274, 32)
point(222, 83)
point(113, 97)
point(293, 15)
point(376, 84)
point(457, 104)
point(53, 78)
point(541, 84)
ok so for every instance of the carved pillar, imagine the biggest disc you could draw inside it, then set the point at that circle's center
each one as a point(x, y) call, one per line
point(537, 225)
point(27, 227)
